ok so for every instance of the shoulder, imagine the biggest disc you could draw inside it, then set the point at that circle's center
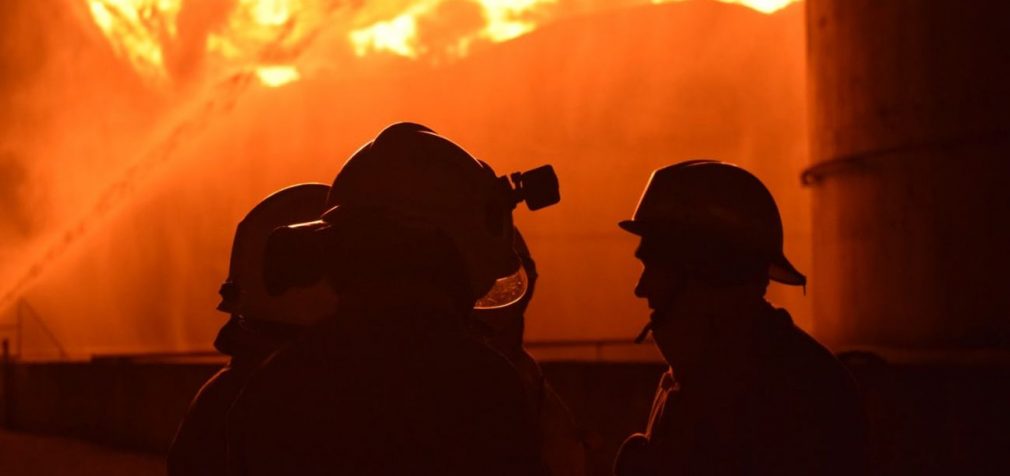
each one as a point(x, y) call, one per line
point(804, 411)
point(800, 383)
point(790, 356)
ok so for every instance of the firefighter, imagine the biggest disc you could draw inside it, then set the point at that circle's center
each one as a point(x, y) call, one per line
point(258, 325)
point(416, 234)
point(562, 442)
point(747, 392)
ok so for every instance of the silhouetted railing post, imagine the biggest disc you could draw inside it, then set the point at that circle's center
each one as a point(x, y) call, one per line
point(26, 310)
point(20, 328)
point(6, 382)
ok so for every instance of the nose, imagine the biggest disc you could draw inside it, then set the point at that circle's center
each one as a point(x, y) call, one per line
point(642, 288)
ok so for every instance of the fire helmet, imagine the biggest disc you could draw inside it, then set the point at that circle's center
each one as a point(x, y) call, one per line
point(243, 292)
point(416, 178)
point(718, 202)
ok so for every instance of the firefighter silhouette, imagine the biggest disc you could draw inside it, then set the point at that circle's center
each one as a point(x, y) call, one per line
point(259, 325)
point(747, 391)
point(417, 233)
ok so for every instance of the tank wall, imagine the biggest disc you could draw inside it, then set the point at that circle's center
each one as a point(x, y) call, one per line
point(910, 119)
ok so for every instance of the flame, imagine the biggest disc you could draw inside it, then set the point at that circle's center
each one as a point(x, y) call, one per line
point(265, 37)
point(258, 36)
point(397, 35)
point(254, 25)
point(275, 76)
point(137, 28)
point(503, 20)
point(763, 6)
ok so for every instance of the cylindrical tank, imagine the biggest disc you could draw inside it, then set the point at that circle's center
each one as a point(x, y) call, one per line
point(910, 128)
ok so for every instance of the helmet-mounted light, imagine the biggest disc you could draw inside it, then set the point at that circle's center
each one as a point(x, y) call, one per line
point(539, 189)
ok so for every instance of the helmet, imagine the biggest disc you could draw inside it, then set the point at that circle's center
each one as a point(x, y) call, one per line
point(718, 201)
point(413, 177)
point(244, 293)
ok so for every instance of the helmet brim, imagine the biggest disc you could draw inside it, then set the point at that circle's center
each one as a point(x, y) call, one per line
point(780, 270)
point(633, 227)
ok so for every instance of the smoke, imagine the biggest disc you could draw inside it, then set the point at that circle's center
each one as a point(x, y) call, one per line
point(81, 128)
point(132, 188)
point(16, 222)
point(70, 110)
point(18, 65)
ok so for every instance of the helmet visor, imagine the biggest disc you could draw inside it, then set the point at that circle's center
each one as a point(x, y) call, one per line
point(505, 292)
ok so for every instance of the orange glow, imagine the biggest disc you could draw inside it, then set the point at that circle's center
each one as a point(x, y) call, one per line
point(503, 21)
point(763, 6)
point(259, 28)
point(272, 33)
point(172, 120)
point(275, 76)
point(136, 28)
point(397, 35)
point(505, 18)
point(261, 36)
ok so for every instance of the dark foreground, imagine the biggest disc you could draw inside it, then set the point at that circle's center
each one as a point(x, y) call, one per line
point(929, 414)
point(23, 454)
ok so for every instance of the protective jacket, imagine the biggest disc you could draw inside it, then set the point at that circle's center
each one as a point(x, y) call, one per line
point(790, 409)
point(200, 442)
point(561, 441)
point(388, 387)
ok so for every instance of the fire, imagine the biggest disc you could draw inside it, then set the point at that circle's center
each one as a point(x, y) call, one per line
point(275, 76)
point(256, 28)
point(397, 35)
point(266, 37)
point(503, 20)
point(763, 6)
point(137, 29)
point(256, 36)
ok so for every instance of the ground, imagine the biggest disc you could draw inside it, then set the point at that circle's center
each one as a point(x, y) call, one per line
point(24, 454)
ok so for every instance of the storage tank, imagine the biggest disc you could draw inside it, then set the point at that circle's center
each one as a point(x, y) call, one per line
point(910, 131)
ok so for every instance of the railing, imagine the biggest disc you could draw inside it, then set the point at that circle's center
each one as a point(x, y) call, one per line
point(23, 312)
point(157, 356)
point(597, 350)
